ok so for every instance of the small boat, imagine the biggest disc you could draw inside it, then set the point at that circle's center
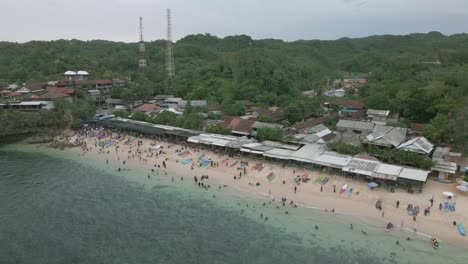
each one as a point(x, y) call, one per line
point(435, 243)
point(343, 189)
point(319, 179)
point(389, 227)
point(206, 163)
point(271, 176)
point(461, 229)
point(234, 164)
point(350, 192)
point(186, 161)
point(201, 157)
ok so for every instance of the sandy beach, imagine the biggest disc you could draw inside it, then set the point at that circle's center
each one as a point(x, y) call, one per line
point(138, 152)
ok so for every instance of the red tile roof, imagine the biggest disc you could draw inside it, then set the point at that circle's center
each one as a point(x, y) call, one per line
point(237, 124)
point(103, 81)
point(34, 86)
point(418, 127)
point(148, 108)
point(5, 92)
point(308, 123)
point(54, 94)
point(344, 103)
point(65, 90)
point(15, 94)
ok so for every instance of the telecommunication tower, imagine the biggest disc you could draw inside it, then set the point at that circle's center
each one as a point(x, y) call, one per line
point(169, 52)
point(141, 53)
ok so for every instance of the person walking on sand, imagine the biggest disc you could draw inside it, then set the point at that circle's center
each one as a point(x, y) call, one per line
point(334, 188)
point(295, 189)
point(321, 187)
point(432, 200)
point(383, 214)
point(397, 204)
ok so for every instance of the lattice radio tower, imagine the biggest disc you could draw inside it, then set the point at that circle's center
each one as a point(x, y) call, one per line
point(141, 51)
point(169, 52)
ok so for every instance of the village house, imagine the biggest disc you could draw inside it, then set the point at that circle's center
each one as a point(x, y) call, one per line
point(358, 127)
point(238, 126)
point(117, 104)
point(53, 93)
point(97, 96)
point(148, 109)
point(418, 145)
point(386, 136)
point(302, 126)
point(377, 116)
point(443, 168)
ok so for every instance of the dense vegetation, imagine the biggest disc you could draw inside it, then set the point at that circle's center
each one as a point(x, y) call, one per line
point(227, 71)
point(65, 115)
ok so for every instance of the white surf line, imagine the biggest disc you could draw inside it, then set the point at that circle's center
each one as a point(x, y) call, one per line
point(266, 195)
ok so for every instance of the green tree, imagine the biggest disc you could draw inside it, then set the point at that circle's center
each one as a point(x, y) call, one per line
point(269, 133)
point(218, 129)
point(264, 118)
point(440, 129)
point(294, 113)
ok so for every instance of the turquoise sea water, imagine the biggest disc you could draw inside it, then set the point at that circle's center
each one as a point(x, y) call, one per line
point(56, 207)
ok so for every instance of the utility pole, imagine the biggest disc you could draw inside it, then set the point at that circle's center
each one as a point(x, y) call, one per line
point(141, 53)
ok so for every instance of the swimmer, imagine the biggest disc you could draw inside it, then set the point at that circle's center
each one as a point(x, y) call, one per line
point(316, 227)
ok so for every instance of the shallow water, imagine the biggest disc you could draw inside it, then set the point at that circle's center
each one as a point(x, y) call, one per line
point(56, 207)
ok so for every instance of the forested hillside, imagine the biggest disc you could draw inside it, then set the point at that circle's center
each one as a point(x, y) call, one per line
point(274, 72)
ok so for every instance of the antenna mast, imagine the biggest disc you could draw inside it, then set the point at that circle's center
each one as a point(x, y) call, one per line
point(169, 53)
point(141, 51)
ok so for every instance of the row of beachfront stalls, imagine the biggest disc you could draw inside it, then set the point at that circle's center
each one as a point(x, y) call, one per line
point(316, 155)
point(169, 132)
point(311, 155)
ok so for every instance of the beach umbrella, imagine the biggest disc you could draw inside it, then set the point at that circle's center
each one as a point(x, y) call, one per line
point(462, 188)
point(449, 194)
point(373, 184)
point(463, 183)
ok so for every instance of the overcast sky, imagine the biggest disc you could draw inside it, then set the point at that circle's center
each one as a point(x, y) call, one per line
point(24, 20)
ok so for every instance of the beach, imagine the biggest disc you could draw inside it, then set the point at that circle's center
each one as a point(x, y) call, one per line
point(141, 152)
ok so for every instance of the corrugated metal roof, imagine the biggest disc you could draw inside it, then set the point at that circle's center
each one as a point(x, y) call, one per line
point(414, 174)
point(387, 135)
point(388, 169)
point(332, 159)
point(378, 112)
point(418, 145)
point(355, 125)
point(444, 166)
point(307, 153)
point(361, 166)
point(258, 124)
point(278, 153)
